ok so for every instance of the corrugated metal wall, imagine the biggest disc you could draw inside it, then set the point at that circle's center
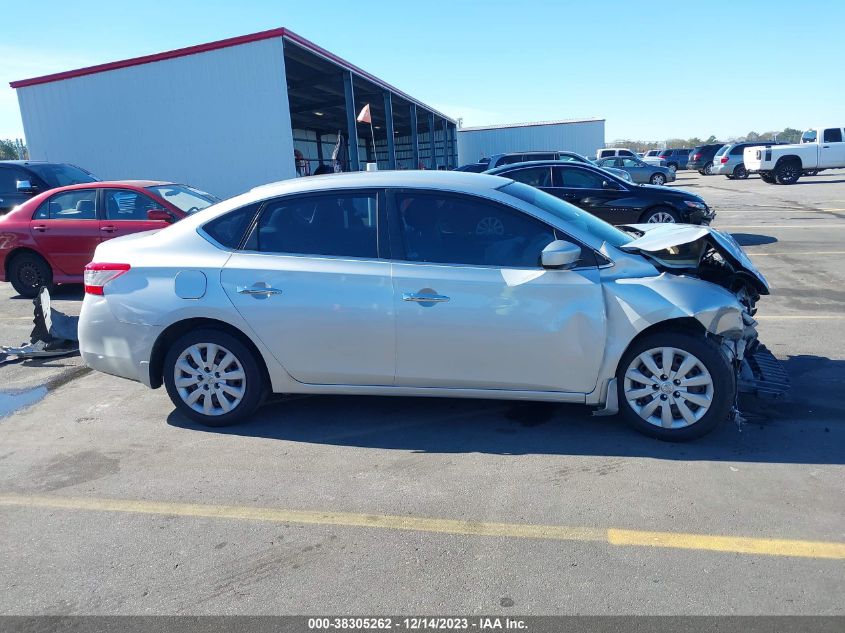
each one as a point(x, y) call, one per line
point(218, 120)
point(584, 137)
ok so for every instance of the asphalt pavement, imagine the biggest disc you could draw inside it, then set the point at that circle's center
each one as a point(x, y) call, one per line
point(112, 503)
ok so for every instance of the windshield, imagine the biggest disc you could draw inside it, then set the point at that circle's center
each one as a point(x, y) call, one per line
point(187, 199)
point(809, 136)
point(60, 175)
point(568, 213)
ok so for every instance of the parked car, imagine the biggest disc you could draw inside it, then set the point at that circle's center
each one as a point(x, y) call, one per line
point(701, 158)
point(48, 239)
point(20, 180)
point(676, 158)
point(820, 148)
point(475, 168)
point(729, 160)
point(639, 171)
point(612, 152)
point(652, 153)
point(564, 156)
point(607, 197)
point(482, 288)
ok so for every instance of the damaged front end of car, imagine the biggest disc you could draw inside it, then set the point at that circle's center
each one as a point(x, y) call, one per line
point(708, 254)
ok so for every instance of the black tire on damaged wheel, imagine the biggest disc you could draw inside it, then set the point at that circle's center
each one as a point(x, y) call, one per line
point(704, 349)
point(28, 272)
point(254, 381)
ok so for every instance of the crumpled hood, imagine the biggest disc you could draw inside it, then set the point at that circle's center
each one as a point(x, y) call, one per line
point(659, 238)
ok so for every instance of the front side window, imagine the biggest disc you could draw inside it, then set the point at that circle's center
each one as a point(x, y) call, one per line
point(337, 224)
point(9, 177)
point(630, 162)
point(450, 229)
point(126, 204)
point(547, 156)
point(833, 135)
point(534, 176)
point(511, 159)
point(79, 204)
point(580, 179)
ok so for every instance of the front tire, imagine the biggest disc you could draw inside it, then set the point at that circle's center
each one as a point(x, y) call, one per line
point(660, 215)
point(788, 173)
point(675, 386)
point(28, 272)
point(213, 378)
point(657, 179)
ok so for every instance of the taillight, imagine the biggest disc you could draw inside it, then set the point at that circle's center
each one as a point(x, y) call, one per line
point(723, 160)
point(696, 156)
point(98, 274)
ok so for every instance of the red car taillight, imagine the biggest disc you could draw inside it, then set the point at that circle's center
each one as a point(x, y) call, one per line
point(723, 160)
point(98, 274)
point(696, 156)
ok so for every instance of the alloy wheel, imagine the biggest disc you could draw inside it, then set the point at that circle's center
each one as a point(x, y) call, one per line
point(210, 379)
point(668, 387)
point(658, 179)
point(661, 217)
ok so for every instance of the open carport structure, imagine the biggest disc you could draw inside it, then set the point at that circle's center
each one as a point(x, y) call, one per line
point(228, 115)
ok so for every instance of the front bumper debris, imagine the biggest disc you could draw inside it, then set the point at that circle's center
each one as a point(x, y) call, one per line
point(763, 375)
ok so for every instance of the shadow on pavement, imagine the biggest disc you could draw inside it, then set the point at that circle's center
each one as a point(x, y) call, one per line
point(62, 292)
point(753, 239)
point(782, 432)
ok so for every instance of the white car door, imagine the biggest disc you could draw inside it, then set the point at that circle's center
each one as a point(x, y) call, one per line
point(832, 148)
point(475, 310)
point(311, 285)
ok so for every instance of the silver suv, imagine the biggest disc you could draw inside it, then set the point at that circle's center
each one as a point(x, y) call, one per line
point(728, 160)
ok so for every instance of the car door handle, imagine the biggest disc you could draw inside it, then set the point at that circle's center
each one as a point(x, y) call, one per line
point(421, 298)
point(258, 291)
point(108, 228)
point(40, 227)
point(825, 146)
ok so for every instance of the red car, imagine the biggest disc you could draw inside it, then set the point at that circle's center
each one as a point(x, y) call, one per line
point(50, 238)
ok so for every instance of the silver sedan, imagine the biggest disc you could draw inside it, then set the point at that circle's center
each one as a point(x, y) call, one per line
point(424, 284)
point(640, 171)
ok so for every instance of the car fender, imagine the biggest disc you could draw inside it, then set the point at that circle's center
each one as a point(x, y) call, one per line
point(635, 304)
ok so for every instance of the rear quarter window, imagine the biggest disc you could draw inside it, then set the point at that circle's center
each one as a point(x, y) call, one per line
point(228, 230)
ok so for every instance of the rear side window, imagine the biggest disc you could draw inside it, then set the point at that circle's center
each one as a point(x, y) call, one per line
point(510, 160)
point(534, 176)
point(737, 150)
point(605, 152)
point(80, 204)
point(337, 224)
point(833, 135)
point(540, 156)
point(228, 230)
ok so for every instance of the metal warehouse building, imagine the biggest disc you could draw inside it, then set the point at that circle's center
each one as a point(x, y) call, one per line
point(228, 115)
point(583, 136)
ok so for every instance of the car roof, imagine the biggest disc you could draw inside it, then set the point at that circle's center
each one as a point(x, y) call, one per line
point(116, 183)
point(543, 163)
point(24, 163)
point(456, 180)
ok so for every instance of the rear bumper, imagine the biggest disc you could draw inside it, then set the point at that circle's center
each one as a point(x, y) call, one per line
point(724, 169)
point(112, 346)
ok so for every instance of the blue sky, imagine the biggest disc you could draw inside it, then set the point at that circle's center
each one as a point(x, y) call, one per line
point(654, 70)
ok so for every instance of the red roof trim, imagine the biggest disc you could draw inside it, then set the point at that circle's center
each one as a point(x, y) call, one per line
point(212, 46)
point(148, 59)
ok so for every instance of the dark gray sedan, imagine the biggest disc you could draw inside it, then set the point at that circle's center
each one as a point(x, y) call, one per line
point(639, 171)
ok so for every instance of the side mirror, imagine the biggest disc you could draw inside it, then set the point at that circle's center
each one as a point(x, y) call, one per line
point(25, 186)
point(560, 254)
point(159, 215)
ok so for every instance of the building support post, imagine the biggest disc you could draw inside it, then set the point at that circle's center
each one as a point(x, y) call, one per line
point(432, 157)
point(391, 137)
point(415, 137)
point(446, 160)
point(351, 123)
point(319, 147)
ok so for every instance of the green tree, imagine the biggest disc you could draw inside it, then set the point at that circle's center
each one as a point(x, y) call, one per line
point(790, 135)
point(8, 149)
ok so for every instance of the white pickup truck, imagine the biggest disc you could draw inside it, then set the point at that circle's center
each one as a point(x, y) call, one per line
point(820, 148)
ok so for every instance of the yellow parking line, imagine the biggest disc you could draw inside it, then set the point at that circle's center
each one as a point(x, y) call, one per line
point(612, 536)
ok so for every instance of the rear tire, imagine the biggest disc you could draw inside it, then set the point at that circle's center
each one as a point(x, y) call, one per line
point(788, 172)
point(740, 172)
point(708, 169)
point(213, 378)
point(669, 406)
point(28, 272)
point(660, 215)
